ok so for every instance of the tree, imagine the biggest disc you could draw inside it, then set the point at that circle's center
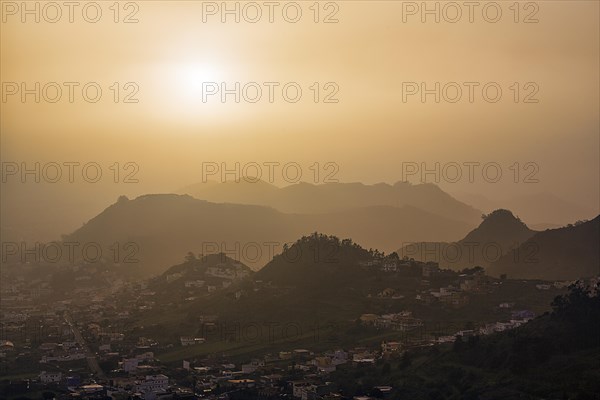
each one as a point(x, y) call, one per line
point(473, 340)
point(458, 344)
point(386, 369)
point(406, 360)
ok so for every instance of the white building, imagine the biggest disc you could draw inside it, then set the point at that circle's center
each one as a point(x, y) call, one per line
point(174, 277)
point(153, 386)
point(50, 377)
point(253, 366)
point(196, 283)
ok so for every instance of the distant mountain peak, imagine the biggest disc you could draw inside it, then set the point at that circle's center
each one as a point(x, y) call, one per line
point(310, 198)
point(501, 215)
point(500, 226)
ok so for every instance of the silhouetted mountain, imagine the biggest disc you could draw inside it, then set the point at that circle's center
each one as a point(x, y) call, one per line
point(316, 277)
point(313, 260)
point(500, 227)
point(498, 233)
point(566, 253)
point(165, 226)
point(307, 198)
point(323, 278)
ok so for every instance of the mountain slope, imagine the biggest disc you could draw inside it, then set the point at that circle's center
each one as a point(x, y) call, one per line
point(567, 253)
point(500, 227)
point(498, 233)
point(318, 277)
point(321, 279)
point(166, 226)
point(198, 277)
point(554, 356)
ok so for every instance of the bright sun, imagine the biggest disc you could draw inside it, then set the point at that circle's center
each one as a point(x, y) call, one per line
point(190, 78)
point(179, 86)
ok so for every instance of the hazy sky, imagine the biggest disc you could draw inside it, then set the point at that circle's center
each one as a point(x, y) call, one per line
point(367, 56)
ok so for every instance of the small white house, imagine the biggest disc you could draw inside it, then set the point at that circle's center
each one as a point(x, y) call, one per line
point(50, 377)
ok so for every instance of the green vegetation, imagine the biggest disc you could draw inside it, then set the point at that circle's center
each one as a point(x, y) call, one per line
point(311, 297)
point(552, 357)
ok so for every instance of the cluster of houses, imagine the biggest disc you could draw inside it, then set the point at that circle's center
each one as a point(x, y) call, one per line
point(232, 271)
point(555, 285)
point(21, 291)
point(202, 282)
point(405, 322)
point(149, 387)
point(402, 321)
point(38, 333)
point(61, 352)
point(517, 319)
point(297, 373)
point(456, 295)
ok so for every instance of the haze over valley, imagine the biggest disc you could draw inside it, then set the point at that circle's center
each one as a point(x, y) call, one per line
point(307, 200)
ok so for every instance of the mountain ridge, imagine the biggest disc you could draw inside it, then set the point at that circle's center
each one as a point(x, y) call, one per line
point(308, 198)
point(164, 226)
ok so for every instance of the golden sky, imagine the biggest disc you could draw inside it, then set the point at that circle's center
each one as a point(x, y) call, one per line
point(367, 55)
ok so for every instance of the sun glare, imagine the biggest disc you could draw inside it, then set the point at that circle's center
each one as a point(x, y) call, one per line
point(178, 87)
point(191, 78)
